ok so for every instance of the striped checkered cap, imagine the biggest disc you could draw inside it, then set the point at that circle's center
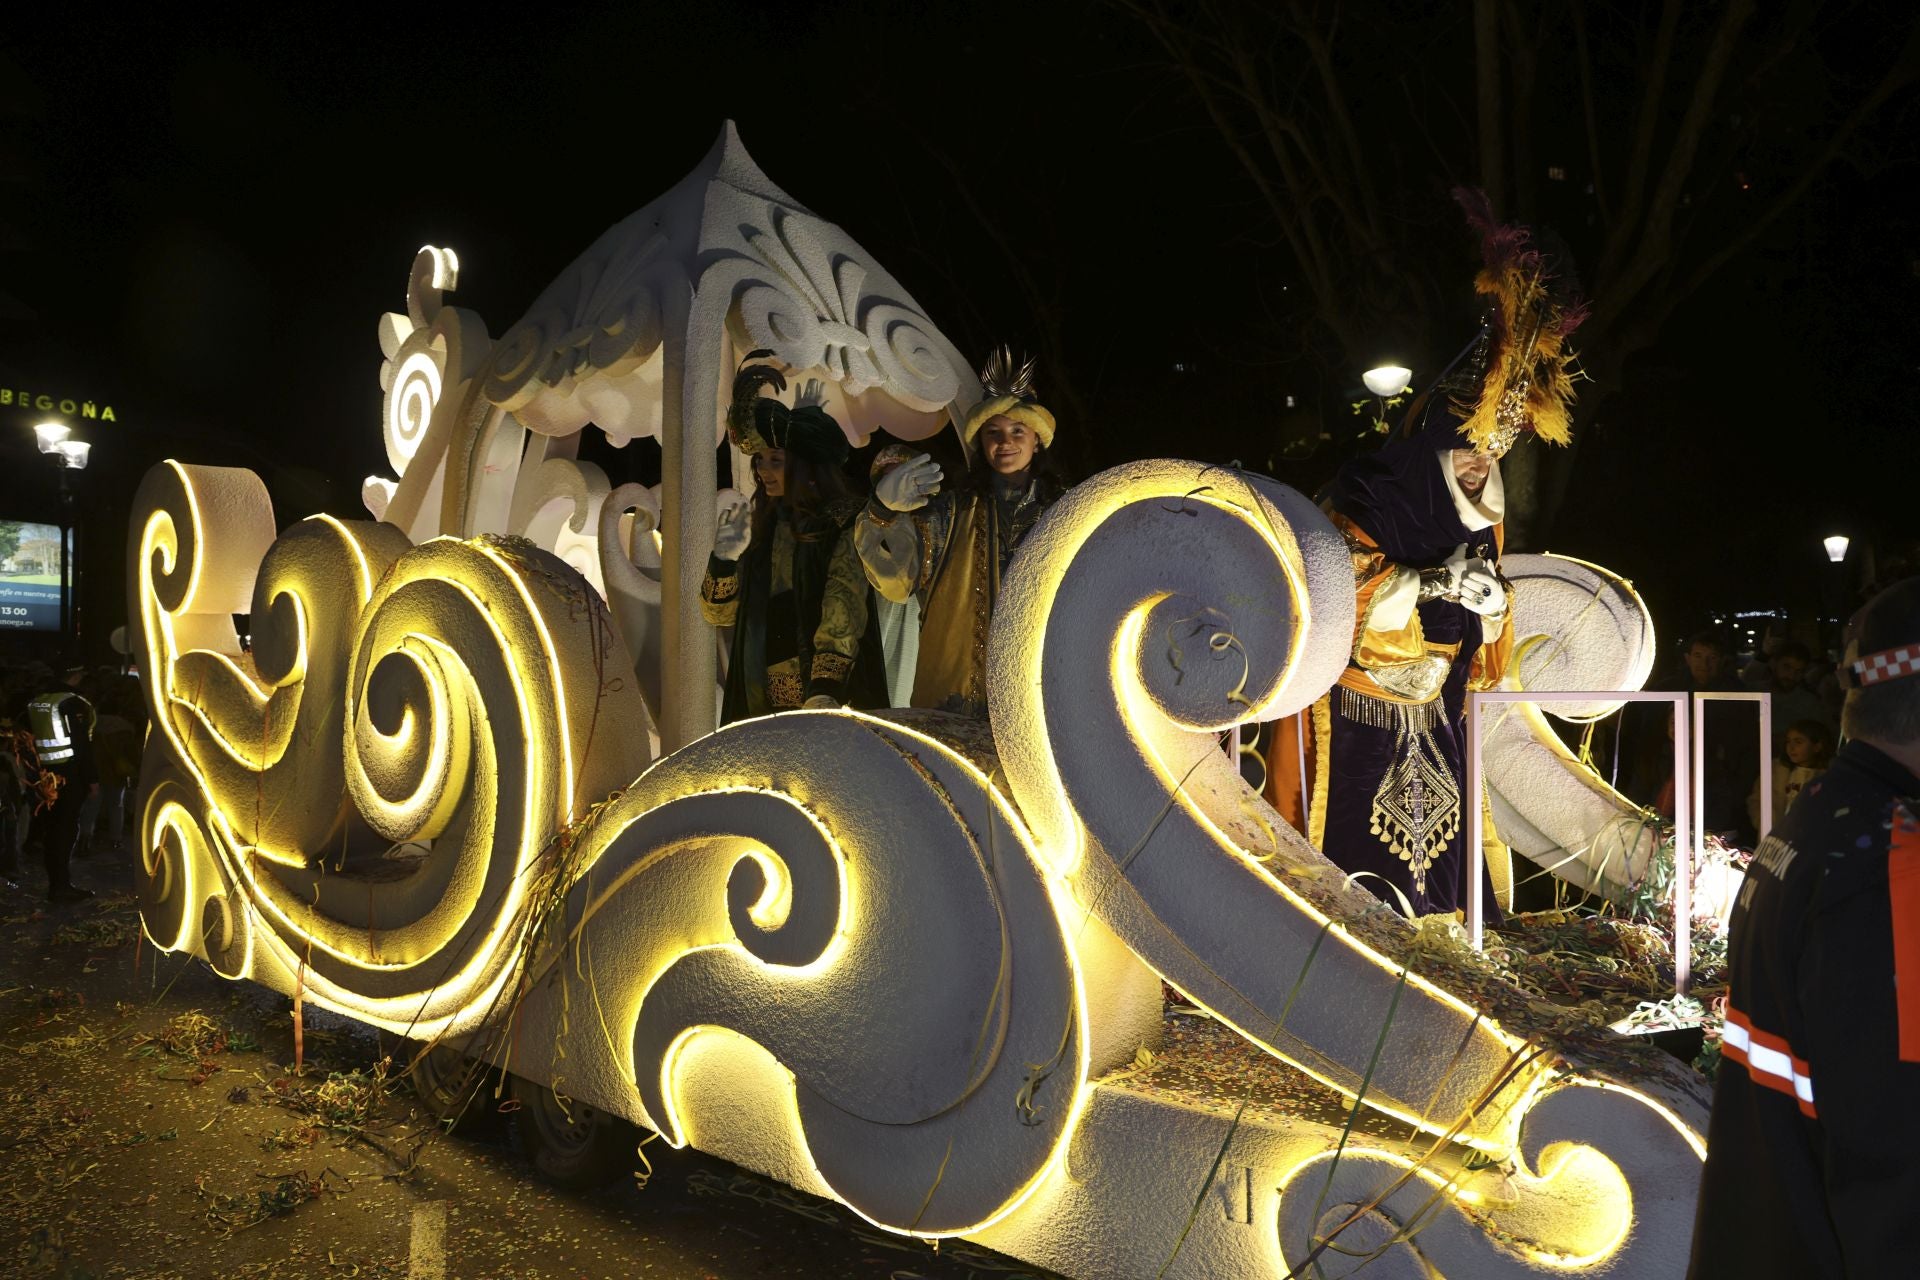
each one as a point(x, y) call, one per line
point(1885, 637)
point(1889, 664)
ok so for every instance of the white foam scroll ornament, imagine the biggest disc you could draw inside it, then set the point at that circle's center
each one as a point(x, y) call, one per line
point(557, 505)
point(431, 356)
point(835, 958)
point(1576, 626)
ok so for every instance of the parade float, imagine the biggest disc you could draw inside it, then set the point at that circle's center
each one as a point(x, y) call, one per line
point(463, 783)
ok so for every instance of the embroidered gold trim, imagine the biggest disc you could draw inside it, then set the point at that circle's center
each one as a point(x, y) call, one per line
point(785, 689)
point(831, 666)
point(1380, 713)
point(1416, 808)
point(724, 589)
point(1322, 770)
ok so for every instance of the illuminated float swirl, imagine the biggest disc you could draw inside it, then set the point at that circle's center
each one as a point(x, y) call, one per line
point(1155, 605)
point(467, 698)
point(849, 899)
point(1152, 606)
point(257, 729)
point(488, 705)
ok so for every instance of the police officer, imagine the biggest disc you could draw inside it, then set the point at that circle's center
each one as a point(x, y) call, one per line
point(62, 724)
point(1813, 1151)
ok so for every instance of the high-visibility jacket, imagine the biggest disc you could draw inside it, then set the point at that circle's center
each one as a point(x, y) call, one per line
point(62, 726)
point(1813, 1151)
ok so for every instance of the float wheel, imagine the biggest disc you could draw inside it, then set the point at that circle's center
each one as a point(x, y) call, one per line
point(570, 1144)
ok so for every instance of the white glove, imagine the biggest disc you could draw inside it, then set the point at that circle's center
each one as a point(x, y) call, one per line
point(735, 532)
point(908, 486)
point(820, 702)
point(1481, 589)
point(1442, 582)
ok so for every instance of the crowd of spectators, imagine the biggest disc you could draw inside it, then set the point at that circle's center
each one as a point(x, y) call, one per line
point(1806, 701)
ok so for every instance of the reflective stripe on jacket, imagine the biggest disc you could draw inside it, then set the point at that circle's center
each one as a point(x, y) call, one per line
point(52, 734)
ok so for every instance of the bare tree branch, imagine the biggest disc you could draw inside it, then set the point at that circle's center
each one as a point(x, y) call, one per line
point(1904, 72)
point(1268, 78)
point(1646, 124)
point(1320, 50)
point(1585, 57)
point(1486, 63)
point(1655, 245)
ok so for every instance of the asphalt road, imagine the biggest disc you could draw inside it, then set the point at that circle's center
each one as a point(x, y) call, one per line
point(151, 1126)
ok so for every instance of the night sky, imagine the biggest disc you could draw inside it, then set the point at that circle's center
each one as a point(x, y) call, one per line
point(202, 220)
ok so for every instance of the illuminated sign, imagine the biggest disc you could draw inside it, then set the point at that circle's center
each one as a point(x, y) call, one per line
point(66, 406)
point(33, 580)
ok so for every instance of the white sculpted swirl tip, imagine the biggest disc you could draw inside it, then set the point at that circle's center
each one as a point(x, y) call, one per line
point(1576, 627)
point(1602, 1180)
point(1212, 597)
point(853, 898)
point(410, 403)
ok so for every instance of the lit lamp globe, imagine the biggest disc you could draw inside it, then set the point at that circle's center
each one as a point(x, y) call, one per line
point(73, 453)
point(1387, 380)
point(50, 434)
point(1836, 547)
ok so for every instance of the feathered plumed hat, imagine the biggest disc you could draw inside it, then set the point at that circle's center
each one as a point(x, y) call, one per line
point(1010, 394)
point(757, 423)
point(1534, 307)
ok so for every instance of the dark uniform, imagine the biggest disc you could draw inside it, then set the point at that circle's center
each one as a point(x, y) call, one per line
point(1813, 1152)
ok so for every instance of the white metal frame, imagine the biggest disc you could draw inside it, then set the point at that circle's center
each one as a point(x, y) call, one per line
point(1685, 807)
point(1689, 798)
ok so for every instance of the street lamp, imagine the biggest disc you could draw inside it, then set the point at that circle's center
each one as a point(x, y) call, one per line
point(73, 454)
point(1836, 547)
point(1387, 380)
point(50, 435)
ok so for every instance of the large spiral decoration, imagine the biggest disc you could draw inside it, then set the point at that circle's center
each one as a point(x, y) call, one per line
point(486, 708)
point(468, 699)
point(254, 728)
point(1154, 605)
point(410, 402)
point(853, 899)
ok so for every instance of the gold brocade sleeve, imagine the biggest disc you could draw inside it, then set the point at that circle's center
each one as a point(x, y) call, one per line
point(843, 618)
point(1379, 641)
point(720, 592)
